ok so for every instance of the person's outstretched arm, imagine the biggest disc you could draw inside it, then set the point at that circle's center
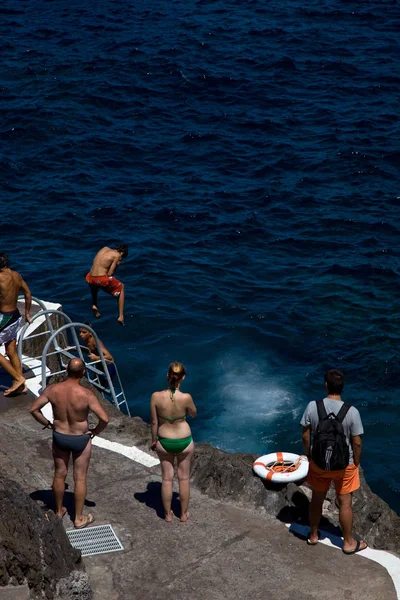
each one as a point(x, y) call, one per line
point(356, 431)
point(306, 439)
point(96, 408)
point(154, 422)
point(357, 447)
point(190, 407)
point(28, 299)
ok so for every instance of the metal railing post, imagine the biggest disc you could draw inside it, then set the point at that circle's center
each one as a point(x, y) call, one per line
point(41, 313)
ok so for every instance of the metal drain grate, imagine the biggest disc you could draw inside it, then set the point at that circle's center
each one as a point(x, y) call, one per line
point(100, 539)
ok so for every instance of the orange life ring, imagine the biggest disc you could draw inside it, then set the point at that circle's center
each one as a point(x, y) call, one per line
point(281, 467)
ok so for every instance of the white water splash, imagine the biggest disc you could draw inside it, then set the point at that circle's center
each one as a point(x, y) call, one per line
point(252, 398)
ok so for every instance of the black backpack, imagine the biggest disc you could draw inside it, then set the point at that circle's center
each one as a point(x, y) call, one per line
point(330, 450)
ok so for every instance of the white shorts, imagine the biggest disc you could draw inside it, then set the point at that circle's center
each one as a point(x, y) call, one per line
point(9, 326)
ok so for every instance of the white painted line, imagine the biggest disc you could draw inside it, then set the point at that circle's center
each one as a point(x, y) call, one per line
point(47, 412)
point(386, 559)
point(129, 451)
point(34, 384)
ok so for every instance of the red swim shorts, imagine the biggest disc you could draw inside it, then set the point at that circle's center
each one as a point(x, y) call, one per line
point(345, 481)
point(111, 285)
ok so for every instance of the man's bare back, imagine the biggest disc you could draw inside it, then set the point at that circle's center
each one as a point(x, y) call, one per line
point(70, 405)
point(11, 284)
point(105, 262)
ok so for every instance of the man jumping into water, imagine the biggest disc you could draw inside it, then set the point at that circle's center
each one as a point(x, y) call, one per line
point(11, 284)
point(71, 404)
point(101, 275)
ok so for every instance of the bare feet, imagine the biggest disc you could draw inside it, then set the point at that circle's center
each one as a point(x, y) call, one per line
point(184, 517)
point(312, 540)
point(96, 311)
point(121, 321)
point(18, 387)
point(62, 513)
point(169, 516)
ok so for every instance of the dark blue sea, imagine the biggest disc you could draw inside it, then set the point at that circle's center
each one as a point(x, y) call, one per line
point(248, 153)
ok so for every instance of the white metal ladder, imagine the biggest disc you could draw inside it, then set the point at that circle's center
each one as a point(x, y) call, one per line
point(97, 371)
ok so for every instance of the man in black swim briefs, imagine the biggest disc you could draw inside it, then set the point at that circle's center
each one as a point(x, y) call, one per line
point(71, 404)
point(11, 284)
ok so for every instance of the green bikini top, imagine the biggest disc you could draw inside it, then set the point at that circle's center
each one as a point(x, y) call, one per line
point(172, 392)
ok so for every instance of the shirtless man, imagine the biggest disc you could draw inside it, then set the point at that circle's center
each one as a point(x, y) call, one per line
point(11, 284)
point(71, 404)
point(101, 275)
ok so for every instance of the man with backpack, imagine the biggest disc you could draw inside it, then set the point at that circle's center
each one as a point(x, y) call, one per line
point(334, 456)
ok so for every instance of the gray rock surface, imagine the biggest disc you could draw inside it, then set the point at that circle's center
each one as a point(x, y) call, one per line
point(225, 551)
point(229, 477)
point(35, 551)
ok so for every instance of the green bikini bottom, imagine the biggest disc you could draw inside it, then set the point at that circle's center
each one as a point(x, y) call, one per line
point(175, 446)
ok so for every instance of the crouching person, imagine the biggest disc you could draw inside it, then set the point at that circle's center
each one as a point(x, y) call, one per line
point(334, 455)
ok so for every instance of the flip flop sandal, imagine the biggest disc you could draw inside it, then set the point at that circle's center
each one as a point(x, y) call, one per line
point(89, 520)
point(356, 549)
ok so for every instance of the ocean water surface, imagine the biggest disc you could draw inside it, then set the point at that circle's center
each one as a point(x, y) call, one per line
point(248, 153)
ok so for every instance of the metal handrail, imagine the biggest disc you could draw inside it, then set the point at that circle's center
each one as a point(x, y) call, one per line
point(42, 306)
point(64, 352)
point(42, 313)
point(34, 299)
point(105, 372)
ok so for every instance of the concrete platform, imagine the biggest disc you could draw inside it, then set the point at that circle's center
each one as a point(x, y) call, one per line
point(223, 552)
point(10, 592)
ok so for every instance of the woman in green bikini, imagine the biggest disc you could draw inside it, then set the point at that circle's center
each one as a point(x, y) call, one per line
point(171, 437)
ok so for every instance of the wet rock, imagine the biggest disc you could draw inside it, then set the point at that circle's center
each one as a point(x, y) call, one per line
point(33, 550)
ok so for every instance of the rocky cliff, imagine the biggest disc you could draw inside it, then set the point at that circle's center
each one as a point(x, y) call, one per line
point(35, 550)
